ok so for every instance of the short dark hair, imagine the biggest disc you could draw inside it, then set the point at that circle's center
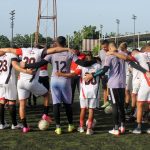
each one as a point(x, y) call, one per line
point(61, 40)
point(105, 42)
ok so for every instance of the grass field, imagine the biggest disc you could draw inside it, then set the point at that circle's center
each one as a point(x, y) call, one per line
point(47, 140)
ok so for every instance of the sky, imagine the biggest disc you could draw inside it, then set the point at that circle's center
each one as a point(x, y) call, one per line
point(74, 14)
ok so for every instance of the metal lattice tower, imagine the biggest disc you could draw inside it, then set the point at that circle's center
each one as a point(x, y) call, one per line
point(53, 17)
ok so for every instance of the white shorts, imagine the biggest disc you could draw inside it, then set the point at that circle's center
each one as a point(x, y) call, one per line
point(25, 87)
point(88, 103)
point(135, 85)
point(8, 92)
point(144, 92)
point(129, 82)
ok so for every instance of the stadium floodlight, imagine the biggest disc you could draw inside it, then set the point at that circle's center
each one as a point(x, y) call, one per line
point(134, 19)
point(12, 13)
point(118, 23)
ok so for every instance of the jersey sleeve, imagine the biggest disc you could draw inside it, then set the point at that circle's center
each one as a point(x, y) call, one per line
point(78, 70)
point(13, 57)
point(107, 61)
point(48, 58)
point(19, 51)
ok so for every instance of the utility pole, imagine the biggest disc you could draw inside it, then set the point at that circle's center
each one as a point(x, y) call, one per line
point(118, 23)
point(100, 34)
point(134, 19)
point(12, 13)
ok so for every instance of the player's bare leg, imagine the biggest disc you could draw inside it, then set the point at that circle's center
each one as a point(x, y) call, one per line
point(82, 117)
point(90, 121)
point(22, 113)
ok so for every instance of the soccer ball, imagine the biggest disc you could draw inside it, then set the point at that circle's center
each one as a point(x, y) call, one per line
point(93, 124)
point(43, 125)
point(108, 110)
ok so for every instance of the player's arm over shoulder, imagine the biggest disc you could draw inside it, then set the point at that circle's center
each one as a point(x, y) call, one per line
point(8, 50)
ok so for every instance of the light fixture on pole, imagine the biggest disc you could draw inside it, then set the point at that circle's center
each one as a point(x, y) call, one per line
point(134, 19)
point(12, 13)
point(118, 23)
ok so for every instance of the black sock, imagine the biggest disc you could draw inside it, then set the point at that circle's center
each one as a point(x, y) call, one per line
point(132, 111)
point(56, 111)
point(24, 122)
point(69, 113)
point(139, 125)
point(126, 105)
point(2, 114)
point(12, 112)
point(46, 110)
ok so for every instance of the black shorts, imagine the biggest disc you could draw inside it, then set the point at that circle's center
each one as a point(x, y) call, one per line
point(117, 95)
point(45, 82)
point(104, 82)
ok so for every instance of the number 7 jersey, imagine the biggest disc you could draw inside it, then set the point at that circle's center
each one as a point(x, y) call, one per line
point(89, 89)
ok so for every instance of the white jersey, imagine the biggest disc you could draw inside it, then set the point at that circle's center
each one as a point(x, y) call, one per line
point(7, 72)
point(144, 61)
point(89, 89)
point(31, 55)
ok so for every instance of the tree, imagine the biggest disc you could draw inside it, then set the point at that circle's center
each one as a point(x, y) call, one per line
point(4, 41)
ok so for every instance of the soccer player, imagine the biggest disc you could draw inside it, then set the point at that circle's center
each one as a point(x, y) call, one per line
point(144, 90)
point(8, 89)
point(75, 81)
point(29, 83)
point(116, 85)
point(61, 87)
point(104, 78)
point(89, 93)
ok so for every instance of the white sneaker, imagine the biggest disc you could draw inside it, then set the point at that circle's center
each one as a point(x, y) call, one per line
point(80, 129)
point(114, 132)
point(148, 131)
point(4, 126)
point(89, 132)
point(137, 131)
point(122, 130)
point(18, 126)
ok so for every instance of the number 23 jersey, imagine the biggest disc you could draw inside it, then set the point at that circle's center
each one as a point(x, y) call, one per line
point(89, 89)
point(7, 72)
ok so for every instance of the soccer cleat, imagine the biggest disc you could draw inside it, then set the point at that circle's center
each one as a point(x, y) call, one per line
point(137, 131)
point(122, 130)
point(105, 105)
point(148, 131)
point(71, 128)
point(18, 126)
point(58, 131)
point(89, 132)
point(80, 129)
point(5, 126)
point(114, 132)
point(47, 118)
point(25, 129)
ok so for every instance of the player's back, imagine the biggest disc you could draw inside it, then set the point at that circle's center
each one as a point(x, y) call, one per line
point(31, 55)
point(116, 73)
point(7, 72)
point(61, 62)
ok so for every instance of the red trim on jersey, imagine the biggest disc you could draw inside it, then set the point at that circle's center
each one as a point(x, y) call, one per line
point(44, 67)
point(82, 90)
point(78, 71)
point(133, 58)
point(147, 79)
point(19, 51)
point(3, 98)
point(74, 65)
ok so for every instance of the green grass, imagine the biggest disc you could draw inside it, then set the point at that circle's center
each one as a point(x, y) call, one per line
point(47, 140)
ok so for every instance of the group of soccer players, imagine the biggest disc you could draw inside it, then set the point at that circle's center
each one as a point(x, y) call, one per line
point(111, 67)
